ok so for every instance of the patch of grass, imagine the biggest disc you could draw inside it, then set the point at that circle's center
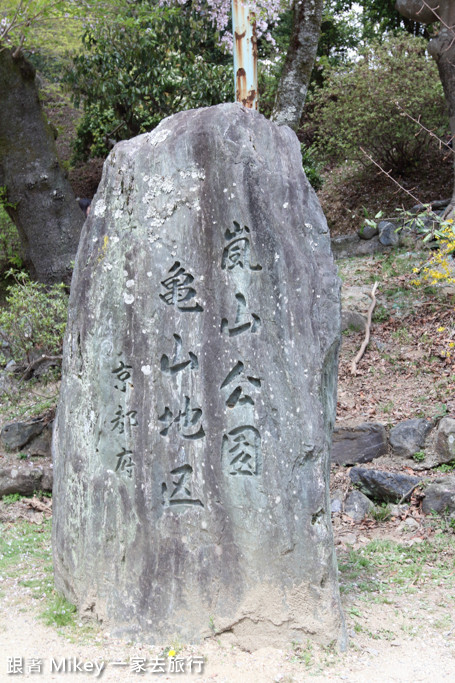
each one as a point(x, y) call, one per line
point(446, 467)
point(59, 612)
point(381, 513)
point(380, 314)
point(302, 653)
point(419, 456)
point(25, 556)
point(11, 498)
point(383, 565)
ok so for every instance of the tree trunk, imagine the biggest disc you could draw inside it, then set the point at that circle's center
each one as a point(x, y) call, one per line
point(295, 77)
point(442, 49)
point(40, 200)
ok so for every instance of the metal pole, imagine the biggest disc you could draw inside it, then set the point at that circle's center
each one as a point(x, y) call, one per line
point(245, 54)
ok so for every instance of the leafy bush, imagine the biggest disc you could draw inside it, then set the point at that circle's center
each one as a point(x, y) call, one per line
point(362, 105)
point(311, 166)
point(34, 320)
point(153, 62)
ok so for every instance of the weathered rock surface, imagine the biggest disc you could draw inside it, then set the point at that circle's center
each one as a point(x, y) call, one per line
point(408, 437)
point(359, 444)
point(367, 232)
point(445, 440)
point(388, 235)
point(15, 435)
point(25, 479)
point(440, 496)
point(351, 320)
point(381, 485)
point(345, 246)
point(191, 444)
point(357, 505)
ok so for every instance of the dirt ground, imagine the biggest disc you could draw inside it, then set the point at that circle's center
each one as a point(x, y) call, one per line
point(399, 633)
point(395, 634)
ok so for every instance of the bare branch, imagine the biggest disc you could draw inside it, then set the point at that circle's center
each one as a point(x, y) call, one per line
point(390, 176)
point(427, 130)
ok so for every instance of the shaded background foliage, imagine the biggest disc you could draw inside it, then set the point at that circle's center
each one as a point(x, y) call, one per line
point(133, 74)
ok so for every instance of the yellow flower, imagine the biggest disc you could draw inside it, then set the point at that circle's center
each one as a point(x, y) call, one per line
point(171, 653)
point(441, 329)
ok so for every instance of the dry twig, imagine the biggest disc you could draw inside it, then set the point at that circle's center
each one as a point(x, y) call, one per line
point(367, 331)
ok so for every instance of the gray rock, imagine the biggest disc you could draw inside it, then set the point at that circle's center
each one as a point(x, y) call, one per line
point(382, 486)
point(25, 479)
point(351, 320)
point(445, 440)
point(388, 235)
point(346, 246)
point(440, 496)
point(367, 232)
point(41, 445)
point(15, 435)
point(359, 444)
point(357, 505)
point(408, 437)
point(336, 504)
point(191, 444)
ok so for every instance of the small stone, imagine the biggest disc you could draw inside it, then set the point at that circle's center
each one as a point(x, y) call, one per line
point(357, 505)
point(381, 485)
point(15, 435)
point(445, 440)
point(388, 235)
point(408, 437)
point(351, 320)
point(440, 496)
point(367, 232)
point(349, 539)
point(359, 444)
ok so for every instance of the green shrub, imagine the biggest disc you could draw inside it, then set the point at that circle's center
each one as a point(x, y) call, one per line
point(311, 167)
point(359, 105)
point(148, 64)
point(34, 319)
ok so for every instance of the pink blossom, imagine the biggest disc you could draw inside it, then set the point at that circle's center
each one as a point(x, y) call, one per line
point(266, 11)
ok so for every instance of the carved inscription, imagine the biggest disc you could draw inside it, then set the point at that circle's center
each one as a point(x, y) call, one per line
point(178, 490)
point(178, 291)
point(120, 418)
point(239, 382)
point(241, 451)
point(122, 374)
point(125, 463)
point(176, 364)
point(237, 254)
point(187, 421)
point(244, 322)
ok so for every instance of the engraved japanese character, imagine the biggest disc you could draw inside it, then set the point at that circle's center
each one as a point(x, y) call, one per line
point(238, 395)
point(241, 449)
point(187, 421)
point(176, 365)
point(243, 323)
point(122, 373)
point(181, 492)
point(237, 253)
point(121, 416)
point(125, 463)
point(178, 291)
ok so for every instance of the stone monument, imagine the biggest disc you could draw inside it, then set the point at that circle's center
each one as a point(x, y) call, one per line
point(191, 447)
